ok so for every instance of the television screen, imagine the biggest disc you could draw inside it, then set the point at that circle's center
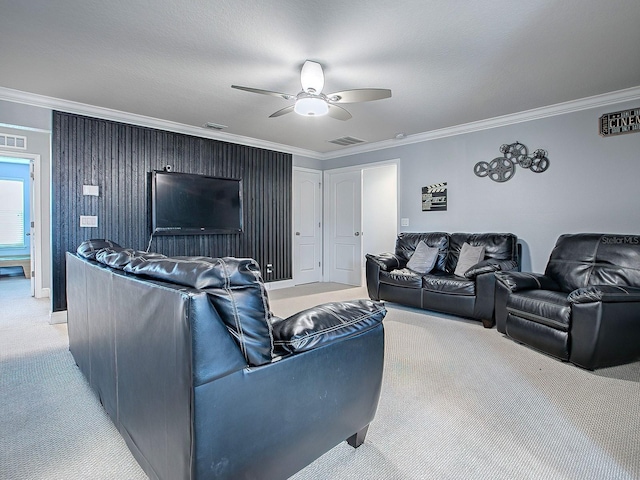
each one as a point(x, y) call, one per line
point(187, 204)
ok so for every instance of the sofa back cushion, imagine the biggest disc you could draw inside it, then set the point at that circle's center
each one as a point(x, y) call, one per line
point(236, 290)
point(584, 259)
point(234, 287)
point(89, 248)
point(497, 246)
point(406, 244)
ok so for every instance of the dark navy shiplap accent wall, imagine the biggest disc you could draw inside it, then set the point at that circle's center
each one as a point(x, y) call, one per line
point(119, 157)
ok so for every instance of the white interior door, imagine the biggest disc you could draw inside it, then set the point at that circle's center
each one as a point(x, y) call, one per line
point(343, 226)
point(307, 226)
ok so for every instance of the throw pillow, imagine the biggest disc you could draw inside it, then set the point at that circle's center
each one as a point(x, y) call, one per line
point(469, 256)
point(423, 259)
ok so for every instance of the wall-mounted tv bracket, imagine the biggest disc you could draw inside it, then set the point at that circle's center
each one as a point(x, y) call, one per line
point(503, 168)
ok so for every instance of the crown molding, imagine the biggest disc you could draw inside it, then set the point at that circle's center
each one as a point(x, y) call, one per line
point(78, 108)
point(596, 101)
point(619, 96)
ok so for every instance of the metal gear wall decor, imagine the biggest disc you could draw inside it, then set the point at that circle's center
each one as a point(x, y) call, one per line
point(501, 169)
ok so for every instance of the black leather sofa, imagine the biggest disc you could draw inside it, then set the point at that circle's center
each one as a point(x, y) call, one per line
point(585, 308)
point(199, 377)
point(471, 295)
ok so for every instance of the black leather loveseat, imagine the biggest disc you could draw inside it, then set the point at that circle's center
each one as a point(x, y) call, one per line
point(585, 308)
point(470, 293)
point(199, 377)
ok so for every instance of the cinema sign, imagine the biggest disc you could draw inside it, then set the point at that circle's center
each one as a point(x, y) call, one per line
point(617, 123)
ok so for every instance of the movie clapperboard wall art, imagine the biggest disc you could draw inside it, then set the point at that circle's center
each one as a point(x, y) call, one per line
point(434, 197)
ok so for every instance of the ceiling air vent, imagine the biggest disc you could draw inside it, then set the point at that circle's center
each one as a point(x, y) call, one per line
point(214, 126)
point(13, 141)
point(344, 141)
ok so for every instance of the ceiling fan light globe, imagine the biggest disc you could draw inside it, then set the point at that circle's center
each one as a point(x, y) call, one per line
point(312, 77)
point(311, 107)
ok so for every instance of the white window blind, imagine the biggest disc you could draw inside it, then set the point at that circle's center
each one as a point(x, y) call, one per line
point(11, 213)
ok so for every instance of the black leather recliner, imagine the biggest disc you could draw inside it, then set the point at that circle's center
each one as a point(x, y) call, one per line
point(585, 308)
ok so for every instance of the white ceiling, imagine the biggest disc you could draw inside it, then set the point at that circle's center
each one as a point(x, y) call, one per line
point(447, 62)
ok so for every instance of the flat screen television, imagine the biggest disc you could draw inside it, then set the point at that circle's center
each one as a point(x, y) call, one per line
point(188, 204)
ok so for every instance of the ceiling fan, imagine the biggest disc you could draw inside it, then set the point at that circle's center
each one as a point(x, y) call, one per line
point(311, 102)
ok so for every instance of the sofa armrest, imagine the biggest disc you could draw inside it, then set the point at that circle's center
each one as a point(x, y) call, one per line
point(516, 281)
point(386, 261)
point(325, 324)
point(491, 265)
point(605, 293)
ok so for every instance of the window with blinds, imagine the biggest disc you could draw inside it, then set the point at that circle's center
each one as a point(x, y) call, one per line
point(11, 213)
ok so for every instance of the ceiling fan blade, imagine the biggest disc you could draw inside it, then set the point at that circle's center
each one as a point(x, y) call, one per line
point(282, 111)
point(338, 112)
point(359, 95)
point(286, 96)
point(312, 77)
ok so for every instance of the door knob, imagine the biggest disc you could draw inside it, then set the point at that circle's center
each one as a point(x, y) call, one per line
point(297, 233)
point(357, 234)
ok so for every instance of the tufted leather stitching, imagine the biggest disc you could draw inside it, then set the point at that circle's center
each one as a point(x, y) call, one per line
point(537, 318)
point(236, 318)
point(265, 307)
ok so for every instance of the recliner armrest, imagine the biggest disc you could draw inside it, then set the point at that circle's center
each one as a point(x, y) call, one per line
point(605, 293)
point(386, 261)
point(516, 281)
point(325, 324)
point(491, 265)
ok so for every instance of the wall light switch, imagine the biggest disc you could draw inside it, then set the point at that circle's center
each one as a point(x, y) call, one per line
point(90, 221)
point(404, 222)
point(93, 190)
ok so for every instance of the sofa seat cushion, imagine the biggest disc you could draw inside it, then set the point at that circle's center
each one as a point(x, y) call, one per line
point(402, 278)
point(448, 283)
point(546, 307)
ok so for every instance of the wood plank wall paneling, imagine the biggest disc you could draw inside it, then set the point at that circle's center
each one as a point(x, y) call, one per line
point(119, 157)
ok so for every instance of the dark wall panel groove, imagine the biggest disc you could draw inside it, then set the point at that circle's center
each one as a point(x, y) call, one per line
point(118, 158)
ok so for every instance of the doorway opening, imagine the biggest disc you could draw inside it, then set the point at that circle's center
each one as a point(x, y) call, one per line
point(18, 216)
point(361, 216)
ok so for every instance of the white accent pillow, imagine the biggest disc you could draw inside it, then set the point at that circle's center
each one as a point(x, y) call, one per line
point(469, 256)
point(423, 259)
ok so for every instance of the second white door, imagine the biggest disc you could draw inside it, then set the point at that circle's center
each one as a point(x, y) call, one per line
point(343, 231)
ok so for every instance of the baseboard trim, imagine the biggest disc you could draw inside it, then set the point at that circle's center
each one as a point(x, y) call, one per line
point(58, 317)
point(43, 293)
point(279, 285)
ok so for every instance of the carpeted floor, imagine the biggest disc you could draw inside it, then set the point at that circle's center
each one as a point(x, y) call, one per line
point(458, 402)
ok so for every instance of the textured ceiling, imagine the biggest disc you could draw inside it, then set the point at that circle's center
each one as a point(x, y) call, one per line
point(447, 62)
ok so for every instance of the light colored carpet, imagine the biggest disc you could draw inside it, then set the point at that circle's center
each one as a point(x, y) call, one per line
point(458, 402)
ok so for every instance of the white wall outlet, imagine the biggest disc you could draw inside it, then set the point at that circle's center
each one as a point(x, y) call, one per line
point(93, 190)
point(90, 221)
point(404, 222)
